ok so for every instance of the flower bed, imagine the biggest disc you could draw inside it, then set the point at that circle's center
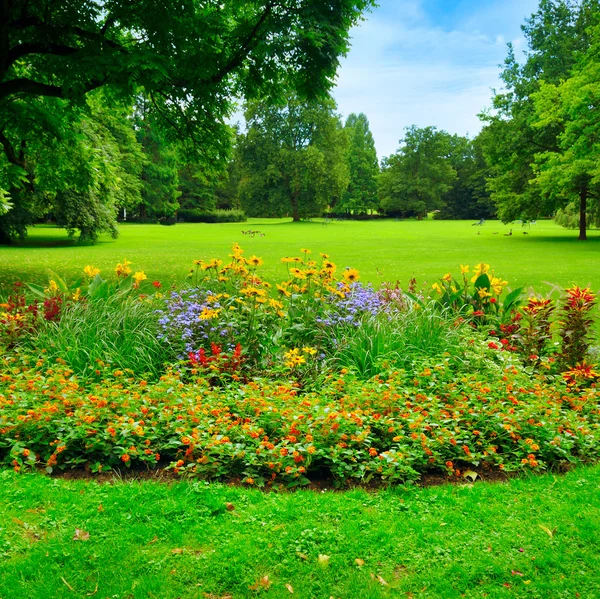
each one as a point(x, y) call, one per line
point(317, 375)
point(391, 428)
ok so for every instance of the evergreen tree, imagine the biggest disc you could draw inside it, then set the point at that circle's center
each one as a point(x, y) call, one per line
point(363, 167)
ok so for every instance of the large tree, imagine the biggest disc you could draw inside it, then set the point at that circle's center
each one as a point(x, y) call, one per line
point(363, 167)
point(468, 197)
point(556, 34)
point(414, 180)
point(189, 58)
point(571, 175)
point(293, 158)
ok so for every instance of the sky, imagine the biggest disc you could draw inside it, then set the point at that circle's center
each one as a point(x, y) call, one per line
point(428, 62)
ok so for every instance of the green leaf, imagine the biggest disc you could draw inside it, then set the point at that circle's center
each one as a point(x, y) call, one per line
point(36, 290)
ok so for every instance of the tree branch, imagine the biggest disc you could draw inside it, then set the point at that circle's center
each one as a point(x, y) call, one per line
point(9, 151)
point(27, 86)
point(37, 48)
point(247, 45)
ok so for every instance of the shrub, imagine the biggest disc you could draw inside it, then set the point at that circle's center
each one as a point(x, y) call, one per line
point(391, 428)
point(217, 216)
point(121, 332)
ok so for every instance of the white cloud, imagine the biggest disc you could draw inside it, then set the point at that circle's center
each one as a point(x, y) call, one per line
point(404, 70)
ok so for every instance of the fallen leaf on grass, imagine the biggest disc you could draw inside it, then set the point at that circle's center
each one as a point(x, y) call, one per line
point(211, 596)
point(290, 588)
point(324, 559)
point(68, 585)
point(470, 474)
point(379, 579)
point(400, 571)
point(100, 508)
point(549, 532)
point(301, 555)
point(262, 583)
point(359, 562)
point(176, 551)
point(81, 535)
point(516, 573)
point(230, 507)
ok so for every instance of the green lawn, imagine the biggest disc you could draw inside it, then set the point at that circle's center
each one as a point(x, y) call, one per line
point(533, 538)
point(382, 250)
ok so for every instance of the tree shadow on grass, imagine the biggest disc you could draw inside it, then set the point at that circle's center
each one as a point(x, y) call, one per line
point(48, 242)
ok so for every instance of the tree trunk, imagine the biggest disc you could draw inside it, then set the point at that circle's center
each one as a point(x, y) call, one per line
point(583, 194)
point(295, 212)
point(143, 213)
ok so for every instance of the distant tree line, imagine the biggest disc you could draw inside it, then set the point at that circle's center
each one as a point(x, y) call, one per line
point(96, 120)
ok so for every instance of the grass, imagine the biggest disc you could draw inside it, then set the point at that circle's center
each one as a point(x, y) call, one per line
point(533, 537)
point(120, 332)
point(382, 250)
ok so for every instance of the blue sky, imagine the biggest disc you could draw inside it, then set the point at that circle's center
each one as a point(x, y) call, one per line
point(428, 62)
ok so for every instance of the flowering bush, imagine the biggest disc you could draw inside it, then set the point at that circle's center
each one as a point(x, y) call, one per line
point(392, 428)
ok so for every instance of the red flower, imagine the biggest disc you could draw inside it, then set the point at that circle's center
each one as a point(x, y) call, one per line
point(492, 345)
point(156, 284)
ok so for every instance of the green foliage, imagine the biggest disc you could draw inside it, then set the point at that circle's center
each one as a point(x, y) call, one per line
point(414, 180)
point(216, 216)
point(571, 175)
point(468, 197)
point(361, 195)
point(381, 343)
point(116, 331)
point(293, 159)
point(515, 135)
point(160, 178)
point(186, 62)
point(78, 164)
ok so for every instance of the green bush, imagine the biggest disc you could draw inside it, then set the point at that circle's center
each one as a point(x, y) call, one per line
point(218, 216)
point(119, 331)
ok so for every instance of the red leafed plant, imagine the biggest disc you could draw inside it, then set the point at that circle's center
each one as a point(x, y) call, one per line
point(218, 360)
point(575, 325)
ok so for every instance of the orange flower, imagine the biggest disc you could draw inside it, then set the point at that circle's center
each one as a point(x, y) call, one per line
point(125, 458)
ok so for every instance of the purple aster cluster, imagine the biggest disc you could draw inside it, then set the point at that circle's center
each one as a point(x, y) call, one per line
point(362, 300)
point(181, 325)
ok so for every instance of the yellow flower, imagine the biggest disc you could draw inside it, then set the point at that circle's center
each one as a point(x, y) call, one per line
point(297, 273)
point(282, 289)
point(254, 261)
point(77, 295)
point(305, 251)
point(287, 260)
point(52, 288)
point(90, 271)
point(447, 277)
point(480, 269)
point(483, 293)
point(253, 292)
point(351, 275)
point(139, 276)
point(123, 269)
point(293, 358)
point(208, 314)
point(309, 350)
point(325, 256)
point(436, 287)
point(275, 304)
point(464, 269)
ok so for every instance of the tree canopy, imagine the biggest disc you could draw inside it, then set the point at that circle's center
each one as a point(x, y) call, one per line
point(518, 139)
point(293, 158)
point(189, 60)
point(414, 180)
point(361, 194)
